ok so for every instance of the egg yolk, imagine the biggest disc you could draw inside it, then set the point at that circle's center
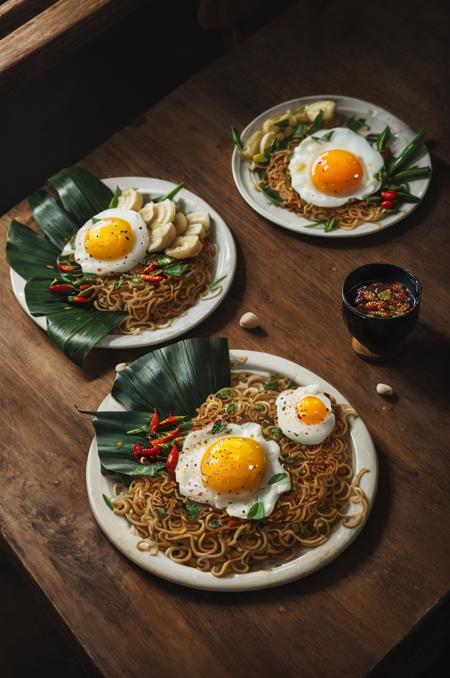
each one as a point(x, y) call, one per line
point(233, 464)
point(337, 172)
point(311, 410)
point(109, 239)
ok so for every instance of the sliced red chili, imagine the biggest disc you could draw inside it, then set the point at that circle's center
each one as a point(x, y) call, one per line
point(150, 268)
point(63, 288)
point(170, 420)
point(154, 421)
point(65, 268)
point(170, 436)
point(153, 278)
point(172, 459)
point(78, 299)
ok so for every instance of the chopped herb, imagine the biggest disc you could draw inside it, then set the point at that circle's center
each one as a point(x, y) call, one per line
point(237, 138)
point(256, 512)
point(214, 524)
point(220, 427)
point(176, 269)
point(117, 284)
point(161, 512)
point(96, 219)
point(170, 194)
point(192, 509)
point(317, 124)
point(299, 131)
point(223, 394)
point(230, 408)
point(164, 260)
point(273, 196)
point(277, 477)
point(137, 431)
point(270, 385)
point(372, 138)
point(275, 431)
point(383, 139)
point(281, 124)
point(115, 199)
point(136, 280)
point(215, 283)
point(355, 124)
point(385, 295)
point(330, 225)
point(152, 470)
point(108, 502)
point(324, 137)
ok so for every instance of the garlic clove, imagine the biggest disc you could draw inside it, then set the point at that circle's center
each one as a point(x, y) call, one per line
point(385, 389)
point(249, 321)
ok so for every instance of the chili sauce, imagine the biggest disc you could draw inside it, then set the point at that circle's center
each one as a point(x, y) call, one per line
point(383, 300)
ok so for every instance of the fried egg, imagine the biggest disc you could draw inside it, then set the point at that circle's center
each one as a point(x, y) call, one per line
point(114, 241)
point(334, 166)
point(305, 415)
point(233, 469)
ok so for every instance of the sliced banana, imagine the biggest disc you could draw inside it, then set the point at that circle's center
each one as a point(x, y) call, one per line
point(313, 110)
point(196, 229)
point(130, 199)
point(161, 237)
point(180, 223)
point(147, 212)
point(199, 218)
point(252, 144)
point(185, 246)
point(163, 213)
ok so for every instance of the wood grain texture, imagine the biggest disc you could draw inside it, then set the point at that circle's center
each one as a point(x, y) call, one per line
point(344, 619)
point(14, 13)
point(49, 35)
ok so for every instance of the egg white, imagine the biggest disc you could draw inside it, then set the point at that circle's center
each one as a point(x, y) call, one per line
point(342, 138)
point(290, 423)
point(123, 264)
point(189, 477)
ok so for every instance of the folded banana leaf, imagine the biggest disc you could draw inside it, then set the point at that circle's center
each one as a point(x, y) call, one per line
point(33, 256)
point(175, 378)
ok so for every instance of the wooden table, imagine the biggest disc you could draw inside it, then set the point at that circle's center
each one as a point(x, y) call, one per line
point(379, 604)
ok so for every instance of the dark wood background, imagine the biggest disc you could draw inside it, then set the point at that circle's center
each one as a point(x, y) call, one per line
point(376, 607)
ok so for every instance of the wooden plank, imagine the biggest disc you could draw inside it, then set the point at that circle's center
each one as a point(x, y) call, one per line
point(53, 33)
point(14, 13)
point(344, 619)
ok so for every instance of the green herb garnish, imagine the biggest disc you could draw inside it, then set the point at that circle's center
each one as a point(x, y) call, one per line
point(276, 478)
point(170, 194)
point(108, 502)
point(256, 512)
point(330, 225)
point(237, 138)
point(355, 124)
point(220, 427)
point(299, 131)
point(275, 431)
point(317, 124)
point(193, 509)
point(270, 385)
point(214, 524)
point(324, 137)
point(161, 512)
point(281, 124)
point(223, 394)
point(115, 199)
point(272, 195)
point(176, 269)
point(385, 295)
point(215, 283)
point(230, 408)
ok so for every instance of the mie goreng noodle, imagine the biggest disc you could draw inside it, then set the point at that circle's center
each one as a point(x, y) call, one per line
point(323, 486)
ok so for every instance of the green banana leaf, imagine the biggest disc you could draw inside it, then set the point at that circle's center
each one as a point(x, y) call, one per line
point(175, 378)
point(33, 256)
point(76, 331)
point(29, 254)
point(54, 221)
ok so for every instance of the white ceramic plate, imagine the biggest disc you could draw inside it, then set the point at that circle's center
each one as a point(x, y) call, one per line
point(223, 265)
point(118, 531)
point(377, 119)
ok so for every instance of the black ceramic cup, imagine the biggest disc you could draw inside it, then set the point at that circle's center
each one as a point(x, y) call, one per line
point(380, 335)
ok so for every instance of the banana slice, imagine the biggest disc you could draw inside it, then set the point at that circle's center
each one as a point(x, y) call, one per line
point(185, 246)
point(163, 213)
point(252, 144)
point(199, 218)
point(161, 237)
point(130, 199)
point(266, 141)
point(195, 229)
point(147, 212)
point(180, 223)
point(313, 110)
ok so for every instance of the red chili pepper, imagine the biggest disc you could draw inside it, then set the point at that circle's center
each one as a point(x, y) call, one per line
point(154, 421)
point(65, 268)
point(150, 268)
point(170, 436)
point(63, 288)
point(389, 195)
point(170, 420)
point(387, 204)
point(84, 287)
point(136, 449)
point(140, 451)
point(153, 278)
point(172, 459)
point(78, 299)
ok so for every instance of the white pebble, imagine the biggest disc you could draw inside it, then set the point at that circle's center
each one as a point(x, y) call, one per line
point(249, 321)
point(120, 367)
point(385, 389)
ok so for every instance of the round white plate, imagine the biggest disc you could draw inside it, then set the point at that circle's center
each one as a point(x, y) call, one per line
point(118, 532)
point(377, 119)
point(224, 264)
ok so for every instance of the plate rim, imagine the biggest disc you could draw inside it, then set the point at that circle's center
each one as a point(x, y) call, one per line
point(162, 567)
point(237, 163)
point(150, 337)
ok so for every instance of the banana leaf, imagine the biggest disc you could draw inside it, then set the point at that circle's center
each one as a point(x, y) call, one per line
point(82, 194)
point(30, 254)
point(54, 221)
point(33, 256)
point(175, 378)
point(76, 331)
